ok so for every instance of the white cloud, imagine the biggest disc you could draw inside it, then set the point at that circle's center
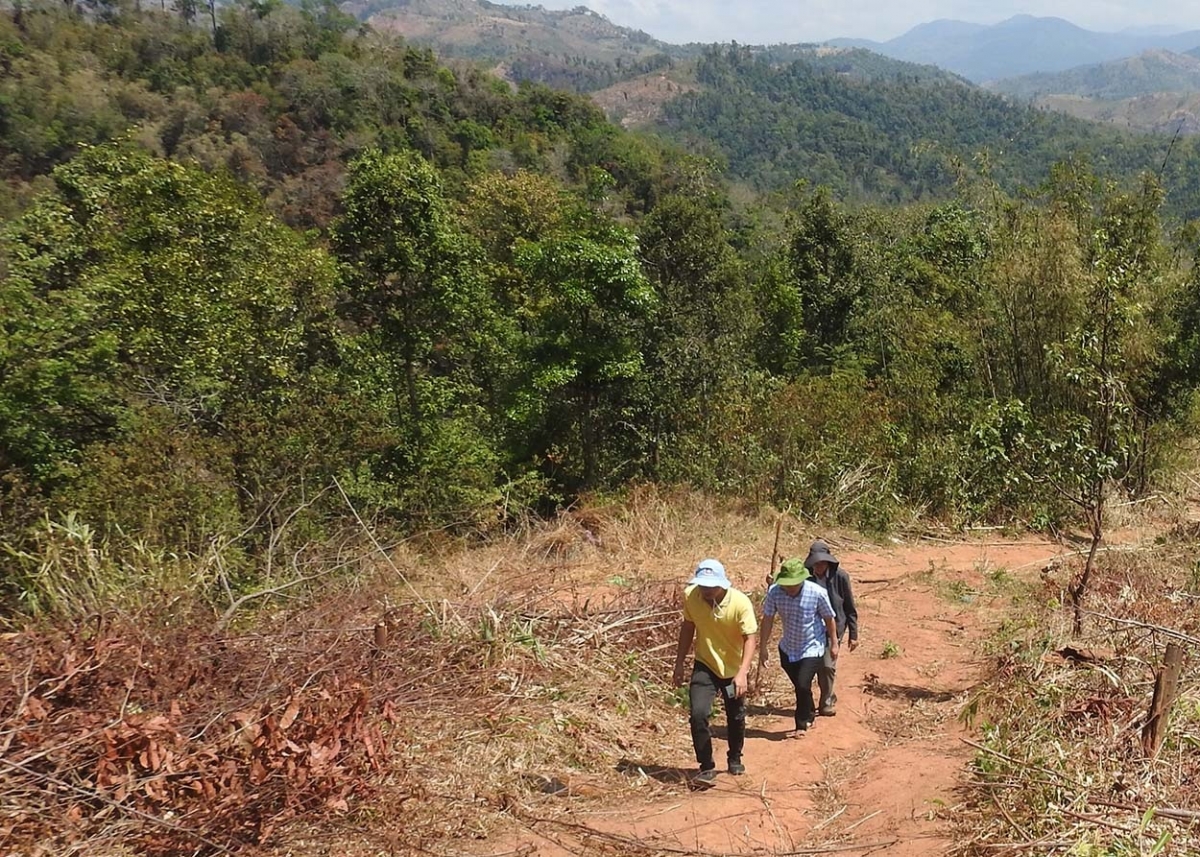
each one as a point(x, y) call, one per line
point(773, 21)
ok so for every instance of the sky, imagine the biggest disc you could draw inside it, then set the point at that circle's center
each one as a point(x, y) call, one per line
point(774, 21)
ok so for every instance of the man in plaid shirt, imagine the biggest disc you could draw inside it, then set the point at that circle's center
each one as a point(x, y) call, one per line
point(809, 629)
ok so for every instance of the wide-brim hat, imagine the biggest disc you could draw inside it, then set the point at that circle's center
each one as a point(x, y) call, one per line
point(791, 572)
point(710, 573)
point(819, 552)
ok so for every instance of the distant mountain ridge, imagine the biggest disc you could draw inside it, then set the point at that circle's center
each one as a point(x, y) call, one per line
point(575, 49)
point(1150, 72)
point(583, 50)
point(1018, 46)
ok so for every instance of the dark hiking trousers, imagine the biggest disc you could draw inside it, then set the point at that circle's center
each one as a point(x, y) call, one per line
point(704, 688)
point(801, 672)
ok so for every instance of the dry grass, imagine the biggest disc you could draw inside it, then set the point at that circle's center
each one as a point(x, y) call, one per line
point(179, 740)
point(1061, 769)
point(421, 705)
point(921, 720)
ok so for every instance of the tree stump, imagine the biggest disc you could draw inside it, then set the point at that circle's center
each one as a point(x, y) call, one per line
point(1166, 689)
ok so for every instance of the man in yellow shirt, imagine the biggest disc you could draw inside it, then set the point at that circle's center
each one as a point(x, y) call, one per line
point(721, 621)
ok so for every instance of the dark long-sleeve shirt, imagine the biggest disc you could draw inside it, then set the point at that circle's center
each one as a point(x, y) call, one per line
point(841, 596)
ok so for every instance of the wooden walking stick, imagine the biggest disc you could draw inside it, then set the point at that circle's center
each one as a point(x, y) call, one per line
point(770, 579)
point(775, 551)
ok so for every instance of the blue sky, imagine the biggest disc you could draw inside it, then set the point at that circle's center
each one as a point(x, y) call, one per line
point(767, 21)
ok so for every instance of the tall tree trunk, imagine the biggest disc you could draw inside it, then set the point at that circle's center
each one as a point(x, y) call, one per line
point(589, 436)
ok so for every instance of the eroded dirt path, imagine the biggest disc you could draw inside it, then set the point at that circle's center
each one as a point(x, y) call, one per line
point(882, 773)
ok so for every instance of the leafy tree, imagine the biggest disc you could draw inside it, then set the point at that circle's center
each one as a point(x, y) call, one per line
point(702, 334)
point(142, 293)
point(825, 267)
point(1104, 360)
point(408, 267)
point(416, 293)
point(583, 354)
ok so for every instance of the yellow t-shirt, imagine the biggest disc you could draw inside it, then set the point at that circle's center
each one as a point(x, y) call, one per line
point(720, 632)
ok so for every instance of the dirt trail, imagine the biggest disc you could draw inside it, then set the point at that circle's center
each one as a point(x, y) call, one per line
point(882, 773)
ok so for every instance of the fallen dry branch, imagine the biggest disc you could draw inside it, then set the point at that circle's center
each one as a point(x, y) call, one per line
point(94, 796)
point(1157, 811)
point(1170, 633)
point(1042, 845)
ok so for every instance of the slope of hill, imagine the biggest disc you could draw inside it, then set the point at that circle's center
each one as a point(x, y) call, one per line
point(576, 37)
point(891, 139)
point(855, 63)
point(1150, 72)
point(641, 101)
point(1020, 45)
point(1160, 113)
point(584, 52)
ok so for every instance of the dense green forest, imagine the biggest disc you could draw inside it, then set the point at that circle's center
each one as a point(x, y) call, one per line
point(265, 280)
point(897, 133)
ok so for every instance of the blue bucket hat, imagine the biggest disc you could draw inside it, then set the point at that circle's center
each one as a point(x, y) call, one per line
point(710, 572)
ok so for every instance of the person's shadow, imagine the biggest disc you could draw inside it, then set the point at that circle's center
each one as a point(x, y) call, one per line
point(769, 710)
point(769, 736)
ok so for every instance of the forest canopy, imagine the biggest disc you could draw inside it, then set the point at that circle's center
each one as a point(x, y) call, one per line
point(272, 272)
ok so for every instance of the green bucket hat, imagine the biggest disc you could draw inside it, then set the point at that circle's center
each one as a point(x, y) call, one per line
point(791, 572)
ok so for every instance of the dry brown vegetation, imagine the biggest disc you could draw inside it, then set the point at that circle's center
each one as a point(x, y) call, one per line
point(1062, 766)
point(540, 661)
point(1162, 112)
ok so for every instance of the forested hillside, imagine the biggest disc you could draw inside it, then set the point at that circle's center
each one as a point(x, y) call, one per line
point(264, 282)
point(896, 137)
point(1147, 73)
point(1156, 91)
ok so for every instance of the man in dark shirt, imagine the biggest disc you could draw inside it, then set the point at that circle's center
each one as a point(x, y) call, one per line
point(826, 572)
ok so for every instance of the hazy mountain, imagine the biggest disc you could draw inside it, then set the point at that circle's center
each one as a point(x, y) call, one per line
point(895, 137)
point(634, 76)
point(1159, 30)
point(1021, 45)
point(1148, 73)
point(477, 28)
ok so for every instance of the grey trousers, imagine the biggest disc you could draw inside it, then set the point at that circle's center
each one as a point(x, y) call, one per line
point(826, 676)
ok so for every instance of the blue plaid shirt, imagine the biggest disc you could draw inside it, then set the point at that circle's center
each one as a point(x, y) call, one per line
point(802, 619)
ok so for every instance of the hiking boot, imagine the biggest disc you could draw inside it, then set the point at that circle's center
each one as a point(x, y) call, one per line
point(828, 710)
point(706, 777)
point(736, 767)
